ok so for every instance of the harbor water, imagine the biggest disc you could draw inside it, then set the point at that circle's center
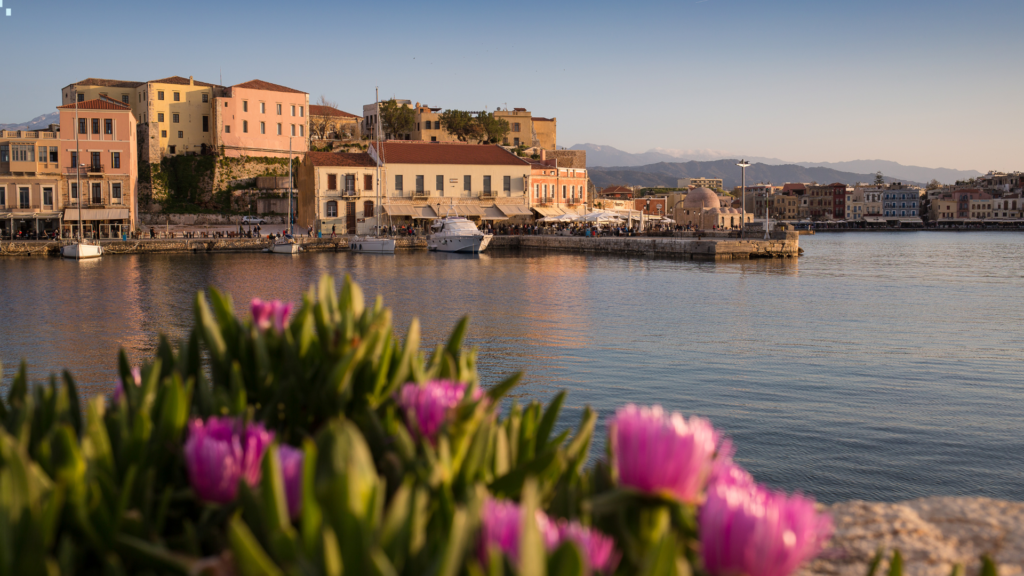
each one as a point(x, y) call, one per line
point(878, 366)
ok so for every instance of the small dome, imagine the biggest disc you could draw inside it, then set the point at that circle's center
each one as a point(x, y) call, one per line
point(701, 199)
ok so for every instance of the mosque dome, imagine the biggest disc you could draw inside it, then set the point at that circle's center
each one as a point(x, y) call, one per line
point(701, 199)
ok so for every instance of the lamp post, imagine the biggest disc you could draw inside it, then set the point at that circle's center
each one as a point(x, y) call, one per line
point(743, 192)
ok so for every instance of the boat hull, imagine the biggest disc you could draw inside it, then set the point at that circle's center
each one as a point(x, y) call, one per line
point(78, 251)
point(372, 245)
point(288, 248)
point(464, 244)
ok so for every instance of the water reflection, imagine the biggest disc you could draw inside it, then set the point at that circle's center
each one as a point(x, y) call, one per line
point(878, 366)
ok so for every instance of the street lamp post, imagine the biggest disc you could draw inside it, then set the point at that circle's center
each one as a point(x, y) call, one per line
point(743, 192)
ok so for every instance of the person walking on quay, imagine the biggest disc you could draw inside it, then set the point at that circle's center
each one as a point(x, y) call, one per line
point(332, 231)
point(309, 231)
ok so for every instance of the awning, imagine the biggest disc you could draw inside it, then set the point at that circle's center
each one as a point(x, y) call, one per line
point(468, 209)
point(548, 211)
point(399, 209)
point(514, 210)
point(423, 213)
point(492, 213)
point(46, 215)
point(93, 214)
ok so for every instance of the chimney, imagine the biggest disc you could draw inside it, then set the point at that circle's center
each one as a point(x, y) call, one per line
point(191, 82)
point(543, 155)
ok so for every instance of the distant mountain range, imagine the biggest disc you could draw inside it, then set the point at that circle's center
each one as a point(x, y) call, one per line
point(37, 123)
point(667, 174)
point(600, 155)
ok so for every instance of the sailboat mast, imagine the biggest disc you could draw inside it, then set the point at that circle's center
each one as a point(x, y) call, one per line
point(377, 210)
point(78, 176)
point(289, 185)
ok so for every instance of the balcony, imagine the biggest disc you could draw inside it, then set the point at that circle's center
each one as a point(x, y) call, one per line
point(349, 192)
point(489, 194)
point(85, 170)
point(421, 194)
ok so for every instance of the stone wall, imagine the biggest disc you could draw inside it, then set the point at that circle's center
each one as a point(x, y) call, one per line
point(160, 219)
point(785, 246)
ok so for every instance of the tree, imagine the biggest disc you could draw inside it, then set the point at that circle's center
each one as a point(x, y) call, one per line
point(934, 185)
point(320, 126)
point(462, 125)
point(396, 118)
point(879, 179)
point(495, 128)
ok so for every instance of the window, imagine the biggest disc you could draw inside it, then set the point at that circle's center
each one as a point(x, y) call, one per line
point(433, 138)
point(302, 130)
point(572, 192)
point(3, 195)
point(506, 183)
point(263, 127)
point(175, 118)
point(163, 133)
point(536, 190)
point(97, 193)
point(95, 125)
point(48, 197)
point(82, 123)
point(23, 200)
point(227, 129)
point(302, 111)
point(159, 94)
point(108, 126)
point(5, 153)
point(171, 149)
point(124, 98)
point(245, 126)
point(563, 192)
point(293, 110)
point(206, 98)
point(95, 163)
point(74, 191)
point(206, 123)
point(115, 193)
point(419, 184)
point(279, 129)
point(23, 153)
point(159, 116)
point(42, 153)
point(177, 96)
point(367, 182)
point(181, 134)
point(487, 183)
point(439, 184)
point(398, 183)
point(54, 155)
point(81, 97)
point(74, 159)
point(368, 209)
point(350, 182)
point(467, 183)
point(293, 129)
point(115, 159)
point(263, 107)
point(278, 109)
point(515, 141)
point(332, 181)
point(332, 209)
point(245, 105)
point(515, 128)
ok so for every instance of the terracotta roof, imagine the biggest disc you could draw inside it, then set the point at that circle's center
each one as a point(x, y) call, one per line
point(108, 83)
point(261, 85)
point(181, 82)
point(616, 190)
point(395, 152)
point(96, 104)
point(354, 159)
point(315, 110)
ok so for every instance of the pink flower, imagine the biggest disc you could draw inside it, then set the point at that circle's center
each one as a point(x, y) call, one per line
point(428, 407)
point(747, 529)
point(220, 452)
point(501, 527)
point(265, 314)
point(660, 453)
point(725, 471)
point(291, 471)
point(119, 387)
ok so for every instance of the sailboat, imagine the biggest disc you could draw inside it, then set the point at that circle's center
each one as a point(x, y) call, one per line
point(80, 248)
point(286, 244)
point(378, 243)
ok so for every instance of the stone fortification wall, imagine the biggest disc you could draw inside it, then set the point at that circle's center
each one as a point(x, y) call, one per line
point(783, 246)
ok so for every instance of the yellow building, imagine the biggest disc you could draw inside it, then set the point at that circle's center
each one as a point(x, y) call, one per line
point(713, 183)
point(525, 129)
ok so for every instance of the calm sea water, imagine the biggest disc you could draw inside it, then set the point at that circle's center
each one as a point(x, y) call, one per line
point(878, 366)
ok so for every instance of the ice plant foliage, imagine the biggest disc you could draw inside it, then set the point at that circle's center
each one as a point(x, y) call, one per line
point(500, 529)
point(661, 453)
point(429, 406)
point(119, 388)
point(221, 451)
point(747, 529)
point(270, 313)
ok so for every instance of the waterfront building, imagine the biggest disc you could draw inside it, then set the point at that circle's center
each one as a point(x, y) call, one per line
point(980, 208)
point(1008, 207)
point(30, 201)
point(107, 168)
point(555, 188)
point(424, 180)
point(525, 129)
point(337, 190)
point(703, 209)
point(617, 193)
point(521, 131)
point(784, 205)
point(328, 123)
point(943, 208)
point(820, 201)
point(963, 199)
point(713, 183)
point(257, 118)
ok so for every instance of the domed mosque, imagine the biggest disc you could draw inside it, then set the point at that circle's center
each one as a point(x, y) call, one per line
point(703, 209)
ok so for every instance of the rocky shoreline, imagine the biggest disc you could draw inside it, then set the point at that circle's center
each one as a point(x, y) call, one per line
point(932, 534)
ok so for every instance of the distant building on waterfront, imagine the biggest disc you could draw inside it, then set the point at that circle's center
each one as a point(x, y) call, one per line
point(713, 183)
point(525, 129)
point(257, 118)
point(703, 209)
point(558, 184)
point(337, 191)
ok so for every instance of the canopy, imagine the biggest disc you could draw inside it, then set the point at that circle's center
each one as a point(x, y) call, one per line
point(548, 211)
point(493, 213)
point(514, 210)
point(416, 212)
point(93, 214)
point(464, 209)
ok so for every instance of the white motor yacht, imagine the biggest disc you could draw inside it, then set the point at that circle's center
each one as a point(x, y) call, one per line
point(457, 234)
point(285, 245)
point(372, 244)
point(82, 250)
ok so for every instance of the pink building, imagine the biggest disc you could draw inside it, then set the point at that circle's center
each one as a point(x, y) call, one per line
point(100, 173)
point(258, 118)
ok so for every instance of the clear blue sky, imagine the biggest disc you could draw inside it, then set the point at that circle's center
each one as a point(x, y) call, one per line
point(927, 82)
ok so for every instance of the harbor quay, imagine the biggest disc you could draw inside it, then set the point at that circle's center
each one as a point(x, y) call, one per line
point(705, 246)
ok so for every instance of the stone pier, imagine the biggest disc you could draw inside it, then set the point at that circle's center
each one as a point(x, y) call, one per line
point(706, 247)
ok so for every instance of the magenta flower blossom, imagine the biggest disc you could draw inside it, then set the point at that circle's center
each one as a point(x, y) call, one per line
point(428, 407)
point(291, 471)
point(661, 453)
point(747, 529)
point(220, 452)
point(501, 526)
point(119, 388)
point(266, 314)
point(725, 471)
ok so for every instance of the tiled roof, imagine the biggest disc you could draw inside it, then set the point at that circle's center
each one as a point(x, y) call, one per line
point(261, 85)
point(354, 159)
point(96, 104)
point(315, 110)
point(108, 83)
point(395, 152)
point(181, 82)
point(616, 190)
